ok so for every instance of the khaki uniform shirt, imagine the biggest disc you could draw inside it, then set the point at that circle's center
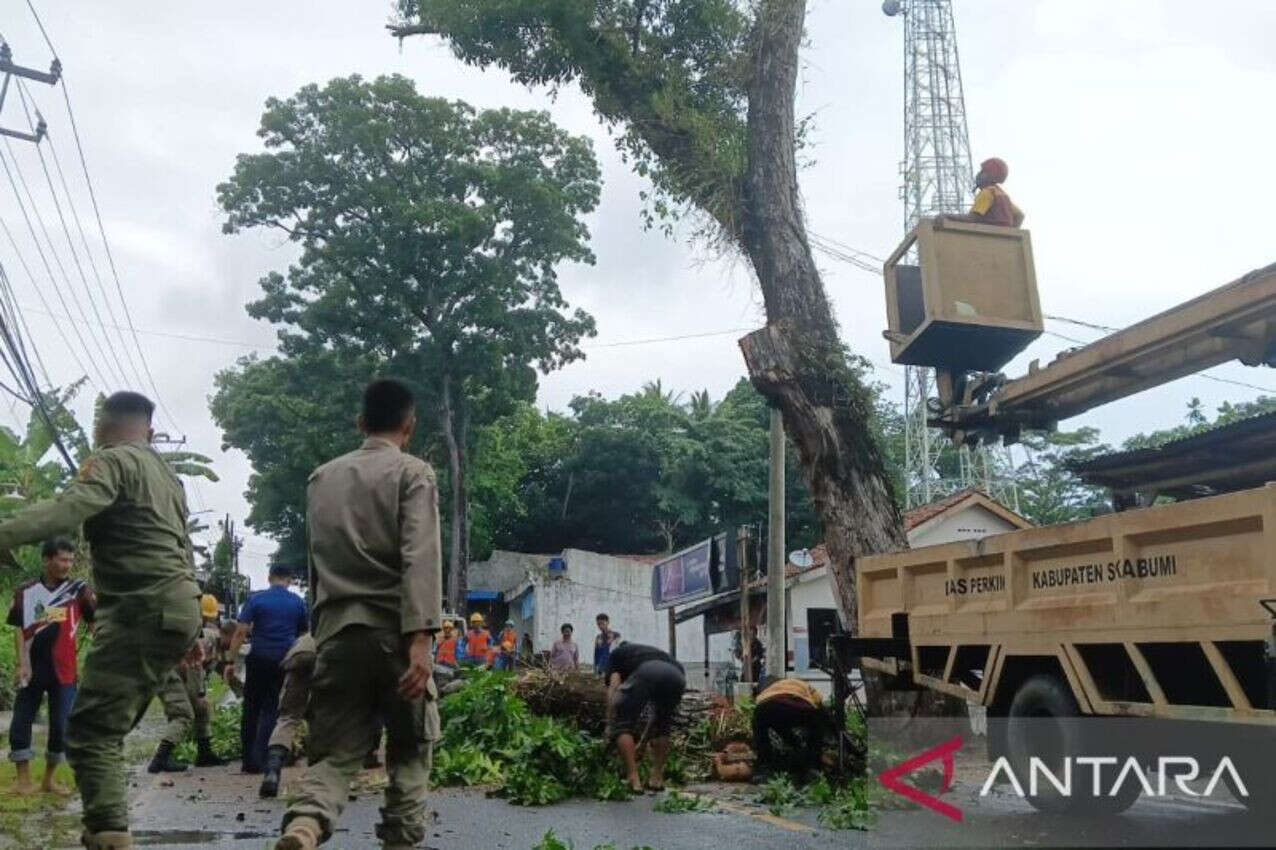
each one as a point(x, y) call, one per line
point(372, 518)
point(133, 510)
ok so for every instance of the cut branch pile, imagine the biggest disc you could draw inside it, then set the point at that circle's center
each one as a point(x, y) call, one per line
point(580, 697)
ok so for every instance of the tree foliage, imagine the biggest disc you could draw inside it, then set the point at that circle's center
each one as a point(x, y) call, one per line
point(642, 473)
point(701, 95)
point(430, 236)
point(1049, 492)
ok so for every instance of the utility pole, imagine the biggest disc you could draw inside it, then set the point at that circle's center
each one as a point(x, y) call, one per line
point(10, 71)
point(746, 577)
point(777, 654)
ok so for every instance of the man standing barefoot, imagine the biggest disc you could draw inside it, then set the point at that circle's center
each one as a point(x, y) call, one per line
point(46, 613)
point(372, 520)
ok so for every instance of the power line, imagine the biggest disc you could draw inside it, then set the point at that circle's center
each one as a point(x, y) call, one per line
point(48, 270)
point(79, 226)
point(104, 366)
point(97, 215)
point(668, 338)
point(40, 292)
point(148, 332)
point(15, 311)
point(110, 258)
point(75, 256)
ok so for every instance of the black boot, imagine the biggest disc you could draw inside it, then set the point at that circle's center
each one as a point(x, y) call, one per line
point(274, 764)
point(205, 757)
point(164, 762)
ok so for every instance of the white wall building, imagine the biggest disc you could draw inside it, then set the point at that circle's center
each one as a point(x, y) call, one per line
point(809, 603)
point(541, 592)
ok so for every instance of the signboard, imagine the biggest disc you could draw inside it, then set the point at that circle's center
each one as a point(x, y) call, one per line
point(683, 577)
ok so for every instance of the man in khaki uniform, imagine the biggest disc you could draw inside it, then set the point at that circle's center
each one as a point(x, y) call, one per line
point(184, 695)
point(299, 668)
point(133, 510)
point(373, 524)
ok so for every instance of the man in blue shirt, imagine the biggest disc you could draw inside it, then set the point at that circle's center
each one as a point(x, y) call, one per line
point(277, 617)
point(603, 642)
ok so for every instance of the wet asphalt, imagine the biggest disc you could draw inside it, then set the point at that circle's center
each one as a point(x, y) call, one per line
point(216, 808)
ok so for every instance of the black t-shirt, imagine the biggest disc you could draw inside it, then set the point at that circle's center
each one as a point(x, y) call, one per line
point(628, 657)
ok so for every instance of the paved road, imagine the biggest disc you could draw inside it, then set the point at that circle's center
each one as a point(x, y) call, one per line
point(219, 808)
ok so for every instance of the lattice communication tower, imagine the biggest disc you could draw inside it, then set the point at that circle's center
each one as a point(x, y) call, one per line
point(938, 177)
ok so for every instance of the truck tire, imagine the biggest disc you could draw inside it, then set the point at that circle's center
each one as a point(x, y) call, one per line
point(1042, 722)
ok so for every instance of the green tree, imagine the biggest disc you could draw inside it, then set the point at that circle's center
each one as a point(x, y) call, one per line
point(288, 415)
point(1049, 492)
point(701, 94)
point(430, 234)
point(1197, 421)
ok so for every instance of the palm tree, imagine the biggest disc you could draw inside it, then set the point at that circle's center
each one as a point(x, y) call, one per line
point(701, 407)
point(190, 464)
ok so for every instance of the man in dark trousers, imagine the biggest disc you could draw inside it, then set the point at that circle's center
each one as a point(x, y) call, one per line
point(791, 709)
point(638, 676)
point(47, 613)
point(277, 617)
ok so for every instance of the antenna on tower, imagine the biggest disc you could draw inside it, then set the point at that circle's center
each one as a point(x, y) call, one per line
point(937, 178)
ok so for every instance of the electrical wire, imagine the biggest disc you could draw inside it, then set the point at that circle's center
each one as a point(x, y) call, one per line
point(15, 358)
point(84, 241)
point(97, 215)
point(49, 271)
point(66, 231)
point(103, 365)
point(70, 349)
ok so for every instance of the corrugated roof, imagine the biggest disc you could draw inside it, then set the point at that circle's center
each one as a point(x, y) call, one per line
point(1257, 423)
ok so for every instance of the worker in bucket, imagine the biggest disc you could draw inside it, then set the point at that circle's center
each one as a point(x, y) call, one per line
point(992, 205)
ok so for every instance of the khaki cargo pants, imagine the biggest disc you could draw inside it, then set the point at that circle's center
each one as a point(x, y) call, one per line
point(135, 647)
point(356, 676)
point(185, 705)
point(293, 697)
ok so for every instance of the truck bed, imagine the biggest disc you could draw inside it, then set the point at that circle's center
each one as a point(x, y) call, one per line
point(1155, 612)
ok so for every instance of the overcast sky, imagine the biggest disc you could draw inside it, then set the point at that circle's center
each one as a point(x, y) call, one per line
point(1139, 136)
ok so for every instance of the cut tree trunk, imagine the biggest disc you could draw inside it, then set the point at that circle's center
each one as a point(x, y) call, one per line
point(453, 427)
point(798, 362)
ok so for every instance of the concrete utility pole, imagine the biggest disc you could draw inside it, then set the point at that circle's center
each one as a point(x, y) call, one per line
point(746, 576)
point(777, 650)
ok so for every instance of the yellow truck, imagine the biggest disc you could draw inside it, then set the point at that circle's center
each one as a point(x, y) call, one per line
point(1162, 614)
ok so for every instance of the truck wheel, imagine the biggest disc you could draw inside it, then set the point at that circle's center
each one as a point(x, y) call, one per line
point(1044, 722)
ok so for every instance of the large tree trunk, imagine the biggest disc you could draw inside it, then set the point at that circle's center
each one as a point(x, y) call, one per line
point(455, 425)
point(797, 362)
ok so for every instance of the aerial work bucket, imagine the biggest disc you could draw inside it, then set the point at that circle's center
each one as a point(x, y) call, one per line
point(965, 300)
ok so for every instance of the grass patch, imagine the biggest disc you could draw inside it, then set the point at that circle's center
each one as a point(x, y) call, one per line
point(36, 820)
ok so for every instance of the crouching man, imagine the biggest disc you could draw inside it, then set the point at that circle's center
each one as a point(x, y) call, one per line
point(791, 709)
point(638, 676)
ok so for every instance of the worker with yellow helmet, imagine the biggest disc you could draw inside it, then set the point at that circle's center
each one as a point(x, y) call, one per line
point(184, 695)
point(477, 641)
